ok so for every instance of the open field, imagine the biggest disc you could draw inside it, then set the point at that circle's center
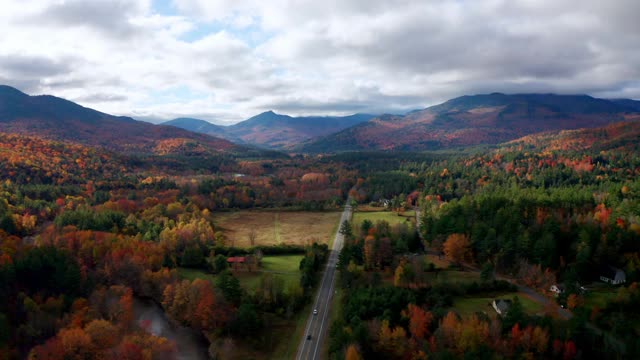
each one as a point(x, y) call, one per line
point(453, 276)
point(467, 306)
point(391, 217)
point(283, 266)
point(273, 228)
point(282, 263)
point(599, 296)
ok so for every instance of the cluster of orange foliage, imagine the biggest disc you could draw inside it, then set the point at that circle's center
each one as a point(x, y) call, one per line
point(31, 158)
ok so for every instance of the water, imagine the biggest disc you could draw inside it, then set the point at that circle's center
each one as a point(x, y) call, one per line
point(189, 343)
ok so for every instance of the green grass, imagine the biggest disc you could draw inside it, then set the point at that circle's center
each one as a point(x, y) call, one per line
point(391, 217)
point(599, 297)
point(467, 306)
point(284, 266)
point(282, 263)
point(192, 274)
point(453, 276)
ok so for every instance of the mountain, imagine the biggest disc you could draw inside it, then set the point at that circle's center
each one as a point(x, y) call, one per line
point(202, 127)
point(633, 104)
point(472, 120)
point(618, 136)
point(54, 118)
point(273, 130)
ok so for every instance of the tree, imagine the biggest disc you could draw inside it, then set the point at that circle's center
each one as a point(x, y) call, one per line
point(352, 353)
point(574, 301)
point(218, 263)
point(252, 237)
point(487, 272)
point(457, 248)
point(104, 335)
point(345, 229)
point(419, 321)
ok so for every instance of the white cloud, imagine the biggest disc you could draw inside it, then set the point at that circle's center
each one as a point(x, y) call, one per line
point(312, 57)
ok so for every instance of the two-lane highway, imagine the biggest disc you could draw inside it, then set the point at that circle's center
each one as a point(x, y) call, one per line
point(317, 324)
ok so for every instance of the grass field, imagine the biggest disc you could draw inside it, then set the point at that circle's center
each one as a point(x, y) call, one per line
point(467, 306)
point(453, 276)
point(391, 217)
point(599, 297)
point(283, 266)
point(273, 228)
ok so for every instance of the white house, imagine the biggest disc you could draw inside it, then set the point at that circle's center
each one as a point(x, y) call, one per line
point(556, 289)
point(613, 276)
point(501, 305)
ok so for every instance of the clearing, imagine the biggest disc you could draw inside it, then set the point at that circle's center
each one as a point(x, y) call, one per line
point(391, 217)
point(467, 306)
point(282, 266)
point(274, 228)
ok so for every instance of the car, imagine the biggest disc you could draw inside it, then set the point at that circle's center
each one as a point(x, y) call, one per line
point(309, 337)
point(315, 311)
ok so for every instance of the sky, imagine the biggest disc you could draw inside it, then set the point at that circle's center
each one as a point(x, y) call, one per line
point(227, 60)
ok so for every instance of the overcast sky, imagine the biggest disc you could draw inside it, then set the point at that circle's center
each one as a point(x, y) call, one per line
point(226, 60)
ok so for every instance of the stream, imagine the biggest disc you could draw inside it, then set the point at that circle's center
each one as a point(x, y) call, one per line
point(189, 343)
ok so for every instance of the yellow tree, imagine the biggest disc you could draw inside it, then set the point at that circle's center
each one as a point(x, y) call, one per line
point(457, 248)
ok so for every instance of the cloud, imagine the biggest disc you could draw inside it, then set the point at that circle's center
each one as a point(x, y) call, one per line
point(226, 60)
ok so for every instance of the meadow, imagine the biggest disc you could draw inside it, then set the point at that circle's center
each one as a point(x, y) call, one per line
point(408, 217)
point(251, 228)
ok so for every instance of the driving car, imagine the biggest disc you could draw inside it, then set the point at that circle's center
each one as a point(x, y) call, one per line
point(315, 311)
point(309, 337)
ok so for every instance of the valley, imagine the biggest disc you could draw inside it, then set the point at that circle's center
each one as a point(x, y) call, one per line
point(123, 227)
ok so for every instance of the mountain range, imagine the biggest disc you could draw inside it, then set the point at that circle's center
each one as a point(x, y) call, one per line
point(54, 118)
point(463, 121)
point(478, 119)
point(273, 130)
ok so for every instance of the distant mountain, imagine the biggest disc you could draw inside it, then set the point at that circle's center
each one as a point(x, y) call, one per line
point(472, 120)
point(202, 127)
point(273, 130)
point(632, 104)
point(59, 119)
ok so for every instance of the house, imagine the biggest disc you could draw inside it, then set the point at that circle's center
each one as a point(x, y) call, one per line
point(613, 276)
point(236, 260)
point(501, 306)
point(556, 289)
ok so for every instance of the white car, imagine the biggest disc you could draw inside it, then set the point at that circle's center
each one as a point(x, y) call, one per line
point(315, 311)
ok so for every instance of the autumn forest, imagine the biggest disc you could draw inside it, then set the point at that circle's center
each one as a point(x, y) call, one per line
point(528, 247)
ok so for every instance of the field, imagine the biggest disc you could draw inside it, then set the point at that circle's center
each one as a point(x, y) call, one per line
point(283, 266)
point(599, 296)
point(466, 306)
point(273, 228)
point(391, 217)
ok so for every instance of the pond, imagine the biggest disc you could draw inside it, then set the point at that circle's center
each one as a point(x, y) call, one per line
point(190, 344)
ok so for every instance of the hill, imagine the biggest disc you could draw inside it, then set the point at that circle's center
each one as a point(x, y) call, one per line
point(472, 120)
point(273, 130)
point(621, 136)
point(58, 119)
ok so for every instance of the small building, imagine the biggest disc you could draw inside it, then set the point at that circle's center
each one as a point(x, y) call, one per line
point(236, 260)
point(556, 289)
point(612, 275)
point(501, 306)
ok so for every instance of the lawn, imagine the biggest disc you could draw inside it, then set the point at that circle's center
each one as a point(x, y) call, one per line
point(282, 263)
point(391, 217)
point(453, 276)
point(599, 297)
point(282, 266)
point(273, 228)
point(467, 306)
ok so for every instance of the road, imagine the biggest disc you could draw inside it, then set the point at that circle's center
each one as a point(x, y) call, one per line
point(318, 325)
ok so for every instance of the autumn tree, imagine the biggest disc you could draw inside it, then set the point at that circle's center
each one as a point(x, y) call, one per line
point(352, 353)
point(457, 248)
